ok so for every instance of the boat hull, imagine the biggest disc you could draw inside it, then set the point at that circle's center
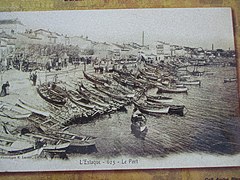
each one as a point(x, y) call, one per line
point(171, 90)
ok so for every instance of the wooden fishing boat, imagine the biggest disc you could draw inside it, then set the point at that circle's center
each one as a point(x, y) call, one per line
point(162, 89)
point(229, 80)
point(159, 99)
point(152, 110)
point(77, 99)
point(147, 75)
point(36, 142)
point(27, 106)
point(123, 90)
point(138, 116)
point(89, 92)
point(16, 146)
point(96, 79)
point(110, 93)
point(96, 98)
point(75, 139)
point(115, 104)
point(76, 96)
point(125, 81)
point(177, 109)
point(123, 72)
point(151, 65)
point(13, 112)
point(138, 126)
point(51, 96)
point(49, 143)
point(195, 82)
point(46, 123)
point(173, 109)
point(195, 72)
point(30, 154)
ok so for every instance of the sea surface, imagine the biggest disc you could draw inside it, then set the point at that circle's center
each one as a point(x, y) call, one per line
point(210, 124)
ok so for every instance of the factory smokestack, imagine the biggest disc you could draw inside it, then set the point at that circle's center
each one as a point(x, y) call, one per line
point(143, 38)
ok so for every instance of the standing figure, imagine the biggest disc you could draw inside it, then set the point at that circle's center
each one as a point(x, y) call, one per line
point(5, 89)
point(34, 78)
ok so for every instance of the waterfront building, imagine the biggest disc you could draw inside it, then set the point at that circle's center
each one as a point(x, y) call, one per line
point(7, 48)
point(11, 26)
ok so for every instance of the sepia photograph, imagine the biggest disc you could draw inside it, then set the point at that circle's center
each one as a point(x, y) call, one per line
point(118, 89)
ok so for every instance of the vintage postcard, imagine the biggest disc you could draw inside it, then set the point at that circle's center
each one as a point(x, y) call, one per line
point(118, 89)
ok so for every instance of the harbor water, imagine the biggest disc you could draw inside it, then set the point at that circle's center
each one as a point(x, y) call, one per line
point(210, 123)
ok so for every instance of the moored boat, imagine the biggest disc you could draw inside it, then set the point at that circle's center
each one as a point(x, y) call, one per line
point(14, 112)
point(152, 110)
point(35, 153)
point(194, 82)
point(28, 107)
point(173, 109)
point(229, 80)
point(97, 80)
point(47, 93)
point(138, 126)
point(177, 109)
point(159, 99)
point(162, 89)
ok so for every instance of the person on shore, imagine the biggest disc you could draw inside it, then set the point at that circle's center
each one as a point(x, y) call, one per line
point(5, 89)
point(34, 78)
point(48, 66)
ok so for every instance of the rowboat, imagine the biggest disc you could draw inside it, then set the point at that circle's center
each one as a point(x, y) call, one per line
point(75, 96)
point(177, 109)
point(14, 112)
point(95, 99)
point(123, 72)
point(29, 107)
point(78, 143)
point(109, 93)
point(138, 126)
point(46, 123)
point(79, 100)
point(162, 89)
point(127, 82)
point(123, 90)
point(98, 97)
point(230, 80)
point(30, 154)
point(15, 146)
point(49, 143)
point(148, 76)
point(159, 99)
point(96, 79)
point(138, 121)
point(196, 82)
point(152, 110)
point(196, 73)
point(138, 116)
point(51, 96)
point(173, 109)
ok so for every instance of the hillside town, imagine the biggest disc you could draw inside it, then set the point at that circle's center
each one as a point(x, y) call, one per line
point(28, 49)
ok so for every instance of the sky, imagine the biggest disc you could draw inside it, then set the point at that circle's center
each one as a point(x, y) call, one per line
point(200, 27)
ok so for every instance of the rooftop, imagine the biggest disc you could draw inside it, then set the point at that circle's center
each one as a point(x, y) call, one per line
point(7, 36)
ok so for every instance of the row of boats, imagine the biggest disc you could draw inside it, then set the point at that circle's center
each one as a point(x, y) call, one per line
point(108, 93)
point(44, 136)
point(113, 92)
point(82, 101)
